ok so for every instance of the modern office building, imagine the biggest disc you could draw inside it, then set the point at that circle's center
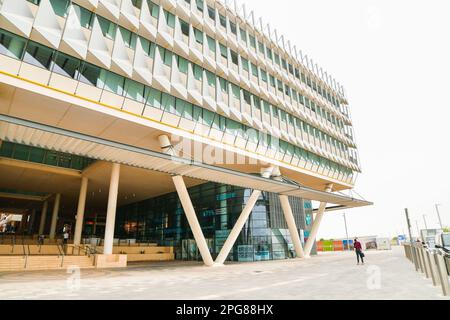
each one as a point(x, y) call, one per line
point(188, 123)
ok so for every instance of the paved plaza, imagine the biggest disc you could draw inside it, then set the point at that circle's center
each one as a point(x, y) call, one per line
point(386, 275)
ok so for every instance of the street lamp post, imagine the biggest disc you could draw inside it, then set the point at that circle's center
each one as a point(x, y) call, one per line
point(418, 230)
point(408, 223)
point(425, 222)
point(346, 233)
point(439, 216)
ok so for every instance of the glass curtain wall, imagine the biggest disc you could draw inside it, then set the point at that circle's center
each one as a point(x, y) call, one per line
point(264, 237)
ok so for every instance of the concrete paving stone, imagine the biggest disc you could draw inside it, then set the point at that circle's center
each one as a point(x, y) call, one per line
point(386, 275)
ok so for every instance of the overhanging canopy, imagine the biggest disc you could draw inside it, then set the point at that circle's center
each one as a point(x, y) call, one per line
point(35, 134)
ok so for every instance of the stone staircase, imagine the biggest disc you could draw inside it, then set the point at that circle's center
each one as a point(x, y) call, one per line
point(29, 263)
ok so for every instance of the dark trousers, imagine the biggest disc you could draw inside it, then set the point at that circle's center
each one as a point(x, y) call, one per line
point(359, 255)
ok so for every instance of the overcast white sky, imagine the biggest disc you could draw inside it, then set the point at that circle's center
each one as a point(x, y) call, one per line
point(393, 58)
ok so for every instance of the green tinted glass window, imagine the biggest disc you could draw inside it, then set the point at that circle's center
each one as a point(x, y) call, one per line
point(211, 44)
point(168, 103)
point(6, 149)
point(223, 51)
point(211, 78)
point(66, 65)
point(243, 35)
point(198, 72)
point(245, 64)
point(154, 9)
point(134, 90)
point(38, 55)
point(212, 13)
point(252, 41)
point(93, 75)
point(37, 155)
point(154, 98)
point(21, 152)
point(60, 7)
point(184, 28)
point(114, 83)
point(170, 19)
point(183, 65)
point(11, 45)
point(198, 36)
point(108, 28)
point(85, 16)
point(254, 70)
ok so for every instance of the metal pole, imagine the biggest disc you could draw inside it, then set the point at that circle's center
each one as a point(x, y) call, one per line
point(410, 237)
point(433, 267)
point(438, 214)
point(443, 276)
point(425, 222)
point(418, 230)
point(346, 233)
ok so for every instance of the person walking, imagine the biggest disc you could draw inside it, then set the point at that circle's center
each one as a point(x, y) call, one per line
point(358, 250)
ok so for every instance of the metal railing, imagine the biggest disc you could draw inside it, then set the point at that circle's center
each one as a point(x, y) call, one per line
point(61, 255)
point(433, 263)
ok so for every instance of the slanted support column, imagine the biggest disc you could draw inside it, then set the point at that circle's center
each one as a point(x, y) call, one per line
point(167, 148)
point(289, 216)
point(55, 216)
point(316, 224)
point(111, 211)
point(43, 217)
point(192, 219)
point(234, 234)
point(80, 211)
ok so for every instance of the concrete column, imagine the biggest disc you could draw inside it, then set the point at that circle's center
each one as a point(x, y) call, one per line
point(80, 211)
point(234, 234)
point(192, 220)
point(43, 216)
point(289, 216)
point(55, 216)
point(316, 224)
point(111, 211)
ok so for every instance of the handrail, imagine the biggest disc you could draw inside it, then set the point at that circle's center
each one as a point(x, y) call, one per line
point(431, 262)
point(23, 246)
point(13, 242)
point(59, 249)
point(85, 249)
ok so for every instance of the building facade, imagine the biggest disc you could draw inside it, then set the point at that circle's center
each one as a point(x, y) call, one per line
point(101, 92)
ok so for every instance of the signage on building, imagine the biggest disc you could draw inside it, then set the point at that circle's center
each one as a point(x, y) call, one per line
point(226, 196)
point(308, 219)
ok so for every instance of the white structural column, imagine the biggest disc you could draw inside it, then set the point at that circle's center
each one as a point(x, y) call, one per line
point(80, 211)
point(289, 216)
point(192, 219)
point(316, 224)
point(55, 216)
point(234, 234)
point(111, 211)
point(43, 217)
point(167, 148)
